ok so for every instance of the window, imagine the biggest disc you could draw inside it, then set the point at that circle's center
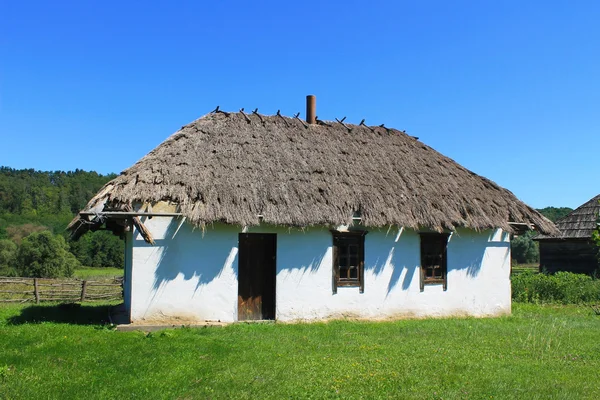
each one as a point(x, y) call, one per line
point(348, 259)
point(433, 259)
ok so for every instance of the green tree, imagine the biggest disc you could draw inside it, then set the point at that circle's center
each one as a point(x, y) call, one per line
point(45, 255)
point(524, 249)
point(3, 234)
point(8, 255)
point(81, 249)
point(596, 237)
point(107, 249)
point(99, 249)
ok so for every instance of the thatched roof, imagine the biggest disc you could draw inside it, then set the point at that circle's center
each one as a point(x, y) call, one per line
point(579, 223)
point(233, 167)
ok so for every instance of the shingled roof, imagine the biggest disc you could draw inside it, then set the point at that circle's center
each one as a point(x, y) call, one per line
point(242, 168)
point(579, 223)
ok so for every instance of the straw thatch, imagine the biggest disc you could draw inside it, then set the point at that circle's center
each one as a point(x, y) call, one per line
point(579, 223)
point(235, 167)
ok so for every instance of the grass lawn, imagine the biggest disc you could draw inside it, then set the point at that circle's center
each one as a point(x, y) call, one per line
point(540, 352)
point(97, 273)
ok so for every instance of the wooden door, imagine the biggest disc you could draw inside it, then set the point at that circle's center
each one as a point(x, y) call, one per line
point(256, 276)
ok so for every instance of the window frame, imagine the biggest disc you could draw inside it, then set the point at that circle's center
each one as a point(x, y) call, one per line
point(425, 240)
point(350, 236)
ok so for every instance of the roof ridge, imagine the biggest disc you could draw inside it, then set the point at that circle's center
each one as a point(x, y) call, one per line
point(320, 122)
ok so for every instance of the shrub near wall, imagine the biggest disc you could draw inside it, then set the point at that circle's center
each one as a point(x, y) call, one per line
point(562, 287)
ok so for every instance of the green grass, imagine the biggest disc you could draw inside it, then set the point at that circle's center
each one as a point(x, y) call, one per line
point(93, 273)
point(519, 268)
point(540, 352)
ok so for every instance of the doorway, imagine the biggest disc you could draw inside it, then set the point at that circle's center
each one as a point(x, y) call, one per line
point(256, 276)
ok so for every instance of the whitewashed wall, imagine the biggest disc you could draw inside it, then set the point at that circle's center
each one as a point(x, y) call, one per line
point(192, 275)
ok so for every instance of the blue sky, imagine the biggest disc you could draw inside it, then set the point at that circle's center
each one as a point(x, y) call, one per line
point(509, 89)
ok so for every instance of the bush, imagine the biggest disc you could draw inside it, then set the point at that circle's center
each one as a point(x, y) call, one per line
point(45, 255)
point(596, 238)
point(524, 249)
point(562, 287)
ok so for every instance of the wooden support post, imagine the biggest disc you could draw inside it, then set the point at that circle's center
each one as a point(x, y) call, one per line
point(36, 290)
point(83, 288)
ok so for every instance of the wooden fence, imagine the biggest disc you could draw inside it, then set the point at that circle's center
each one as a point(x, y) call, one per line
point(64, 290)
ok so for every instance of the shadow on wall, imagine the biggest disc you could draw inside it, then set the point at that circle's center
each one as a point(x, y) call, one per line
point(395, 251)
point(205, 255)
point(193, 254)
point(302, 252)
point(468, 251)
point(408, 268)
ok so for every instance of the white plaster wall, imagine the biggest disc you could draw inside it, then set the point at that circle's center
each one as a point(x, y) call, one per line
point(478, 277)
point(187, 275)
point(192, 274)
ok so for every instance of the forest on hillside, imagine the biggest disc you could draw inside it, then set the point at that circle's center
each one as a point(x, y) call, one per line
point(36, 207)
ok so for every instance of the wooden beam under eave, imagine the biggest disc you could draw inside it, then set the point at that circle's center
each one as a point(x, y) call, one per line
point(143, 231)
point(141, 227)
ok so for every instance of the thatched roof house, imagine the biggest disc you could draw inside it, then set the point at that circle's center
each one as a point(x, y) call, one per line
point(307, 220)
point(571, 249)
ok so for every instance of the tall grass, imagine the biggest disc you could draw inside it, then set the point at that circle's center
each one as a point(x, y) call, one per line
point(561, 287)
point(97, 273)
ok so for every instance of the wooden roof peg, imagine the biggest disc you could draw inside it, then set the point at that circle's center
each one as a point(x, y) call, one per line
point(366, 126)
point(217, 110)
point(281, 116)
point(303, 123)
point(341, 122)
point(384, 127)
point(255, 112)
point(248, 120)
point(318, 121)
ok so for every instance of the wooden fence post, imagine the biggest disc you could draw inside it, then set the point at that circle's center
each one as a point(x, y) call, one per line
point(83, 288)
point(36, 290)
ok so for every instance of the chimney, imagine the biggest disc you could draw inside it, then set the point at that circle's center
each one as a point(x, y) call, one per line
point(311, 109)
